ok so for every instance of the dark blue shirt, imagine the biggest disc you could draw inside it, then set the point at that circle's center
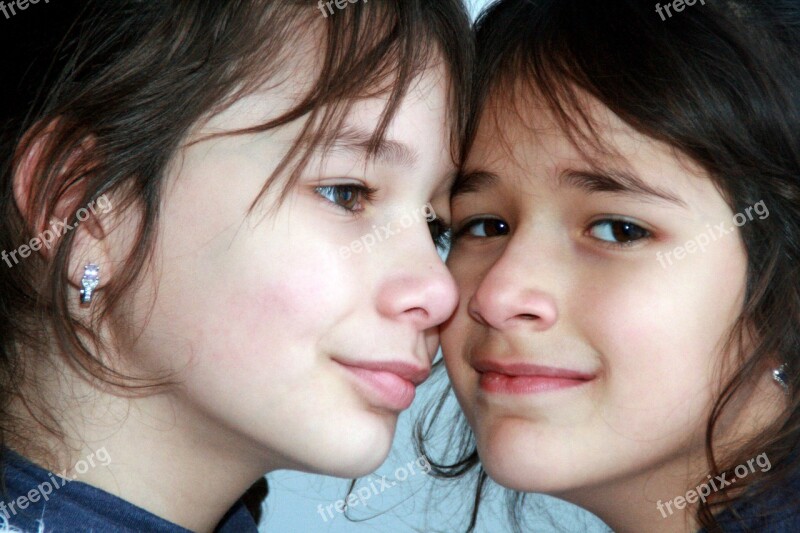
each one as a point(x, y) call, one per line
point(776, 511)
point(74, 506)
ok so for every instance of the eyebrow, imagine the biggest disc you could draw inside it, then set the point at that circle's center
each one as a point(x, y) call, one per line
point(472, 182)
point(356, 141)
point(619, 182)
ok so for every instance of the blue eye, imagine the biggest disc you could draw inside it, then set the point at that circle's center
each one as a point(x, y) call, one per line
point(484, 227)
point(618, 231)
point(440, 233)
point(348, 197)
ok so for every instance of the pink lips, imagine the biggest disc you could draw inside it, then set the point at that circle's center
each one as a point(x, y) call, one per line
point(523, 378)
point(391, 385)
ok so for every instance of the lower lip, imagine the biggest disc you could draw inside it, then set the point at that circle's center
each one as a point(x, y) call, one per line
point(384, 389)
point(504, 384)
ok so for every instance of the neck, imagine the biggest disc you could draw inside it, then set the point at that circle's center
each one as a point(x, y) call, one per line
point(652, 501)
point(151, 451)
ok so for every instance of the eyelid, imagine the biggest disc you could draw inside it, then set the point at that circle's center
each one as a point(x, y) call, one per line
point(462, 225)
point(650, 234)
point(621, 218)
point(367, 195)
point(459, 230)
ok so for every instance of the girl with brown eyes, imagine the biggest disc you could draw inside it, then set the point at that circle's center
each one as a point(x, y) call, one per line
point(610, 346)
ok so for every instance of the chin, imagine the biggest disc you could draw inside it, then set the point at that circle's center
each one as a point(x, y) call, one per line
point(552, 479)
point(511, 476)
point(354, 451)
point(523, 464)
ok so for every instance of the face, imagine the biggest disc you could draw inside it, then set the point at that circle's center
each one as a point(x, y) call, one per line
point(585, 349)
point(304, 327)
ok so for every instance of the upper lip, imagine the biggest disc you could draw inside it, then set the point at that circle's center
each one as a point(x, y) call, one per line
point(414, 373)
point(527, 369)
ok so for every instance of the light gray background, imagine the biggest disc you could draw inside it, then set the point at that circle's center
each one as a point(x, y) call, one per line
point(419, 503)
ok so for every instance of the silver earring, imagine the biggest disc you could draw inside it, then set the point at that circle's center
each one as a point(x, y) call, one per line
point(89, 282)
point(781, 376)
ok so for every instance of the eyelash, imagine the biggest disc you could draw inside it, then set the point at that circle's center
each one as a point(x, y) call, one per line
point(463, 231)
point(620, 244)
point(367, 194)
point(441, 233)
point(465, 228)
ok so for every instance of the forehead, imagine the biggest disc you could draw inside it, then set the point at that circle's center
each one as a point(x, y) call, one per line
point(421, 121)
point(525, 143)
point(510, 126)
point(416, 140)
point(422, 114)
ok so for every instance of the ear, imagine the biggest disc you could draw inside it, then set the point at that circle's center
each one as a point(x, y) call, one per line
point(51, 201)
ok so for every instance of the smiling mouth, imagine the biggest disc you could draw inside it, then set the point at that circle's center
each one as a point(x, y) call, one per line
point(520, 379)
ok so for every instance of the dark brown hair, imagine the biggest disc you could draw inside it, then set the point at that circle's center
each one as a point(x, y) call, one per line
point(720, 83)
point(128, 82)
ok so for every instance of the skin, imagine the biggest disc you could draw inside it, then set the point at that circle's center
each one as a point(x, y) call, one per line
point(544, 280)
point(252, 314)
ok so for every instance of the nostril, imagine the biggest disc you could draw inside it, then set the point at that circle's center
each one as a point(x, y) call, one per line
point(418, 311)
point(420, 316)
point(529, 317)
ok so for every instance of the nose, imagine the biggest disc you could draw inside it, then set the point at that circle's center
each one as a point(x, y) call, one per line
point(419, 289)
point(509, 296)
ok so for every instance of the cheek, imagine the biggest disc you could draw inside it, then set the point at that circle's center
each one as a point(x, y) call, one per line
point(288, 297)
point(457, 335)
point(247, 296)
point(452, 337)
point(250, 328)
point(660, 336)
point(454, 332)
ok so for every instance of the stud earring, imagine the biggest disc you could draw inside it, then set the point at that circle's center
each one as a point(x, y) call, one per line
point(89, 282)
point(781, 377)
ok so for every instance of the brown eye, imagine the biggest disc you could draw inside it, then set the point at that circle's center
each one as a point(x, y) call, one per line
point(486, 227)
point(618, 231)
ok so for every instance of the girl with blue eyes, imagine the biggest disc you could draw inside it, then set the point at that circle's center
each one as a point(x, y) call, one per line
point(202, 327)
point(626, 232)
